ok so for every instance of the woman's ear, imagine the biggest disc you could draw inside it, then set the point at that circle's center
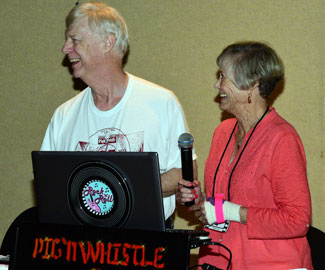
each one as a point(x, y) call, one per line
point(255, 87)
point(256, 84)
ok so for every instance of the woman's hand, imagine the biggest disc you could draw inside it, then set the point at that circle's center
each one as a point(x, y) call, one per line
point(188, 191)
point(200, 213)
point(185, 194)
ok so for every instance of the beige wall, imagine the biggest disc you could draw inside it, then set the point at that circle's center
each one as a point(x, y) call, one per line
point(175, 44)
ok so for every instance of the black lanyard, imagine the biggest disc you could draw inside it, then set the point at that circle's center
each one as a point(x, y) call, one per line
point(224, 151)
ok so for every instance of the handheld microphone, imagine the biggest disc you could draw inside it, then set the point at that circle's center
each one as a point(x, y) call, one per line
point(185, 142)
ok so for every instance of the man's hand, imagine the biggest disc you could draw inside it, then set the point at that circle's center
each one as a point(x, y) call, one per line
point(170, 179)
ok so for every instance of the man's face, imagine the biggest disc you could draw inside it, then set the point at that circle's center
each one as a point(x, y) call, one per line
point(84, 50)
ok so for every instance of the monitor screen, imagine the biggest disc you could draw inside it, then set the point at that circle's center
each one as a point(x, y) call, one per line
point(99, 189)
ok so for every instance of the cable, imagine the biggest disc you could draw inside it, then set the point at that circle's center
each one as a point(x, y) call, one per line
point(207, 266)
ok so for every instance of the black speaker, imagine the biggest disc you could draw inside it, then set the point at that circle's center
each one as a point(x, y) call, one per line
point(99, 189)
point(99, 195)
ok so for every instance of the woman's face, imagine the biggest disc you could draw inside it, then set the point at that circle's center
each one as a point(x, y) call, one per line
point(231, 97)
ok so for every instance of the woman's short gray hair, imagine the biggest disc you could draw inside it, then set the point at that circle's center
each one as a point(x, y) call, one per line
point(103, 20)
point(250, 62)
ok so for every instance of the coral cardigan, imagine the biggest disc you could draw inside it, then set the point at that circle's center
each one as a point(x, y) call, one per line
point(270, 180)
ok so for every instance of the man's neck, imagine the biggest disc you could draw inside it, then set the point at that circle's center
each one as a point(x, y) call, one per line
point(109, 90)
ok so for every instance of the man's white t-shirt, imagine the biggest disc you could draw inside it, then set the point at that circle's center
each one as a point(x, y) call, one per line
point(148, 118)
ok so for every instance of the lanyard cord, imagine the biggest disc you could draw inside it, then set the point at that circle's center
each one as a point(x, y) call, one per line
point(224, 151)
point(233, 169)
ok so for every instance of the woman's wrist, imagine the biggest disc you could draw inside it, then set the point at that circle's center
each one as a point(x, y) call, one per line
point(243, 214)
point(231, 211)
point(218, 213)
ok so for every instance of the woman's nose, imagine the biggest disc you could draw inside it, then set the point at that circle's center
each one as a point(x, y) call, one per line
point(217, 84)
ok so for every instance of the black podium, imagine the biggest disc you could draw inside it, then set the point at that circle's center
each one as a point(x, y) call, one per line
point(50, 246)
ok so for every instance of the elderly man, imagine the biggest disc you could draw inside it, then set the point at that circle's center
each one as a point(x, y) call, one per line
point(118, 111)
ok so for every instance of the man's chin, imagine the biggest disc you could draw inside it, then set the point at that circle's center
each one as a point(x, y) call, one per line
point(76, 75)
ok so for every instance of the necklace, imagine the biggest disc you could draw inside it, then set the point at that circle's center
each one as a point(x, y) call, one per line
point(240, 141)
point(240, 135)
point(224, 151)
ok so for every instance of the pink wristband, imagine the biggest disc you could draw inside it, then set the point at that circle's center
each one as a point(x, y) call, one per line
point(218, 207)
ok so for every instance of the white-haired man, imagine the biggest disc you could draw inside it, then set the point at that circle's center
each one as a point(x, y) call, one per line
point(118, 111)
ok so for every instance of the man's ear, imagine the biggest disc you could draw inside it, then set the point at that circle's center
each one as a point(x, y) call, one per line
point(109, 42)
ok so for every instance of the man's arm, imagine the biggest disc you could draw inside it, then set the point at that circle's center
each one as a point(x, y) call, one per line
point(169, 180)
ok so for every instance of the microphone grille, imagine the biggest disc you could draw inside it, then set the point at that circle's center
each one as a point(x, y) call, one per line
point(185, 140)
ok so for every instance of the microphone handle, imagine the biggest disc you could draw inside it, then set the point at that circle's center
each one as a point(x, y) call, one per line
point(187, 169)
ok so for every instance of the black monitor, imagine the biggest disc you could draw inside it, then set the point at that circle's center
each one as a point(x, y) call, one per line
point(99, 189)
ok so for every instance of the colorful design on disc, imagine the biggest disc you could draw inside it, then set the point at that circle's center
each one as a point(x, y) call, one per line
point(97, 197)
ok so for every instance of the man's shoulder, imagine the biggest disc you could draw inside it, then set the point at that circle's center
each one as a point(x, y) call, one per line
point(74, 101)
point(150, 88)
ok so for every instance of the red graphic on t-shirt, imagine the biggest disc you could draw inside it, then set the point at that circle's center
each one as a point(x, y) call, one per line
point(113, 140)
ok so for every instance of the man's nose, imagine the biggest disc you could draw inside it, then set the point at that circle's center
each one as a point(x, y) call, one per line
point(66, 47)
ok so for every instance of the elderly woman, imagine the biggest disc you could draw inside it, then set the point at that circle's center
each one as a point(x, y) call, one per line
point(258, 200)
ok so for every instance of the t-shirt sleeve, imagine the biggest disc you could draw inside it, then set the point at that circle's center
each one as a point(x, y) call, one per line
point(49, 141)
point(177, 125)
